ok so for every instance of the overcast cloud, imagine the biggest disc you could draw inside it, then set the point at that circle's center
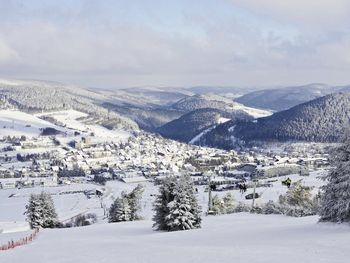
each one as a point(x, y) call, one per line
point(176, 43)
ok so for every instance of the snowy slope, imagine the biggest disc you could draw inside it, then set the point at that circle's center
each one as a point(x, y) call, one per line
point(75, 120)
point(232, 238)
point(17, 123)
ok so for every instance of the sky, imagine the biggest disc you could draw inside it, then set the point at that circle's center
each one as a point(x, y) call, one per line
point(123, 43)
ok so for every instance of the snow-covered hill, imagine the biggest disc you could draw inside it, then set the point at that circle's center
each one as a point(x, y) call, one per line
point(233, 238)
point(38, 96)
point(17, 123)
point(216, 102)
point(284, 98)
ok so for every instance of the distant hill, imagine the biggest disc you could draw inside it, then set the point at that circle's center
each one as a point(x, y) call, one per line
point(202, 112)
point(193, 123)
point(198, 102)
point(229, 92)
point(321, 120)
point(215, 102)
point(285, 98)
point(39, 96)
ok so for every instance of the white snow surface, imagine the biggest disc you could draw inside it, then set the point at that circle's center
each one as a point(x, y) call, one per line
point(73, 119)
point(200, 135)
point(17, 123)
point(232, 238)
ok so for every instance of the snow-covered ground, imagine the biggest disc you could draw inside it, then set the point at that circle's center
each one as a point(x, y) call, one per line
point(68, 205)
point(17, 123)
point(74, 120)
point(232, 238)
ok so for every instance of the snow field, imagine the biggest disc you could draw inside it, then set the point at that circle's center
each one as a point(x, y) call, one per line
point(73, 119)
point(17, 123)
point(231, 238)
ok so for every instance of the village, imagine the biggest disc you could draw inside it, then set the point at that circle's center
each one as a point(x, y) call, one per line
point(58, 159)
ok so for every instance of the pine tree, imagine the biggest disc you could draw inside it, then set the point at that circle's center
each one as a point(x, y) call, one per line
point(166, 195)
point(40, 211)
point(49, 215)
point(34, 211)
point(195, 207)
point(176, 206)
point(335, 197)
point(134, 199)
point(120, 210)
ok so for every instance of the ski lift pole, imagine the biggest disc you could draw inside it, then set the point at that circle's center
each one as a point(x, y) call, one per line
point(254, 180)
point(210, 200)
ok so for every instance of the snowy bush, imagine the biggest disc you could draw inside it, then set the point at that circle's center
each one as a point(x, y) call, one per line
point(226, 205)
point(242, 207)
point(176, 205)
point(297, 201)
point(257, 209)
point(218, 206)
point(271, 208)
point(84, 220)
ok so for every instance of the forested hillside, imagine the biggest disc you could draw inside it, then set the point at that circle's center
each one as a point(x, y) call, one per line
point(321, 120)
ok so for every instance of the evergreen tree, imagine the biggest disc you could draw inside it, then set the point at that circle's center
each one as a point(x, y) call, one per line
point(176, 205)
point(49, 215)
point(40, 211)
point(134, 199)
point(161, 203)
point(195, 208)
point(335, 197)
point(120, 210)
point(34, 211)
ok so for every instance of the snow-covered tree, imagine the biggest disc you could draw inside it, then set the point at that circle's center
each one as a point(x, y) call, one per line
point(165, 196)
point(297, 201)
point(120, 210)
point(218, 205)
point(134, 199)
point(335, 197)
point(229, 203)
point(49, 214)
point(271, 208)
point(34, 211)
point(176, 206)
point(40, 211)
point(225, 205)
point(242, 207)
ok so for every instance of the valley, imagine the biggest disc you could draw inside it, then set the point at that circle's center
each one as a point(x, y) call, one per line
point(87, 154)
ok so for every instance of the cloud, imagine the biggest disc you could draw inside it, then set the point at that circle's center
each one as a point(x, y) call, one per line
point(228, 42)
point(318, 14)
point(7, 54)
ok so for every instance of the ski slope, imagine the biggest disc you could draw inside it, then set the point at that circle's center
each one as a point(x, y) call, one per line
point(232, 238)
